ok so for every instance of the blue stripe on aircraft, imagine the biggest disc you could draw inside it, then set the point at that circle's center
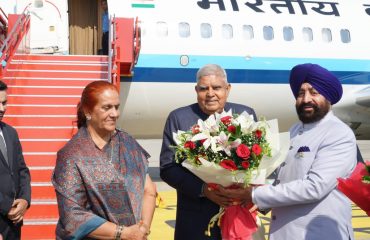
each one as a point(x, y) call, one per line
point(255, 63)
point(187, 75)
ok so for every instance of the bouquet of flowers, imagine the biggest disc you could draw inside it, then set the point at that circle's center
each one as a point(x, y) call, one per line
point(357, 186)
point(227, 149)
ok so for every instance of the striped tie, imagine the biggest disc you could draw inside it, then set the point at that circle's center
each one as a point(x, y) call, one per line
point(3, 149)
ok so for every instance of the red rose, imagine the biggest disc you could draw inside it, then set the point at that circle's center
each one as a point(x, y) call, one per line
point(189, 144)
point(258, 134)
point(243, 151)
point(195, 129)
point(231, 129)
point(228, 164)
point(245, 164)
point(226, 120)
point(202, 141)
point(256, 149)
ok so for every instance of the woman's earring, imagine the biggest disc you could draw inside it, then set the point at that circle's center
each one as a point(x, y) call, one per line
point(88, 117)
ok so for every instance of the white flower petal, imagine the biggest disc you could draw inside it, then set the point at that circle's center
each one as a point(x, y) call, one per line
point(200, 136)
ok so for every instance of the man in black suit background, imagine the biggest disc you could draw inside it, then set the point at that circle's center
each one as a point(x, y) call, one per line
point(15, 187)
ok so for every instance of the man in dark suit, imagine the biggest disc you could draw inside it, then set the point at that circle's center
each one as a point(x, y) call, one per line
point(15, 187)
point(196, 204)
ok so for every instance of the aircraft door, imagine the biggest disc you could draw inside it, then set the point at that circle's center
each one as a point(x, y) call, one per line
point(84, 34)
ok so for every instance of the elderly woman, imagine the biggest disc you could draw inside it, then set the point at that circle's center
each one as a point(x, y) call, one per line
point(103, 189)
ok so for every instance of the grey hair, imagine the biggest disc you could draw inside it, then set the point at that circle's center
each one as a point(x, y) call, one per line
point(211, 69)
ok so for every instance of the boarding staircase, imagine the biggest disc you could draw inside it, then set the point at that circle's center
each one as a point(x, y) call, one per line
point(43, 92)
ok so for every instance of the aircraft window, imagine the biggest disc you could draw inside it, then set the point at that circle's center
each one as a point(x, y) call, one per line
point(184, 60)
point(248, 32)
point(184, 29)
point(205, 30)
point(162, 29)
point(326, 35)
point(345, 36)
point(307, 34)
point(227, 31)
point(268, 33)
point(38, 3)
point(288, 33)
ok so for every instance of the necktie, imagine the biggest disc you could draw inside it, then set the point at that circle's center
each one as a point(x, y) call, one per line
point(3, 149)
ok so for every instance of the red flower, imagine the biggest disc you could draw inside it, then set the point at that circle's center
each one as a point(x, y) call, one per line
point(195, 129)
point(231, 129)
point(226, 120)
point(228, 164)
point(256, 149)
point(189, 144)
point(212, 186)
point(202, 141)
point(258, 134)
point(245, 164)
point(243, 151)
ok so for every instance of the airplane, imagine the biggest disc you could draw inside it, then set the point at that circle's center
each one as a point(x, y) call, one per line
point(256, 41)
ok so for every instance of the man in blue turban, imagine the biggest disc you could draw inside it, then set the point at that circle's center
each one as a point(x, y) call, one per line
point(304, 199)
point(324, 87)
point(320, 78)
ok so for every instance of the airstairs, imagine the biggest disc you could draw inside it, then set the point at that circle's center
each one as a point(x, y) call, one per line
point(43, 92)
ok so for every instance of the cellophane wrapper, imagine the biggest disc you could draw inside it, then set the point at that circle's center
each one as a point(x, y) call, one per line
point(356, 189)
point(237, 222)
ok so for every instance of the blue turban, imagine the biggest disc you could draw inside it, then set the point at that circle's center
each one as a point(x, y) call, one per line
point(320, 79)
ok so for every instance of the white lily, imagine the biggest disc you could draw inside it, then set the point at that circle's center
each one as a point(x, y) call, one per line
point(177, 137)
point(209, 140)
point(246, 122)
point(225, 145)
point(210, 124)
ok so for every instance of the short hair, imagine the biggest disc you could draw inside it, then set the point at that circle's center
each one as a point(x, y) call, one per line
point(3, 86)
point(90, 97)
point(211, 69)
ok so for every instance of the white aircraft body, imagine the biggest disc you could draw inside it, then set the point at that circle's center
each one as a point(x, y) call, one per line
point(256, 41)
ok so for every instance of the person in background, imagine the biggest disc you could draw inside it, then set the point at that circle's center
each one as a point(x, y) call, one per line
point(196, 204)
point(105, 27)
point(304, 199)
point(15, 187)
point(101, 175)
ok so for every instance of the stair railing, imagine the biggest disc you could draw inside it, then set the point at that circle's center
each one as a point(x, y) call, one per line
point(137, 40)
point(3, 26)
point(113, 65)
point(13, 39)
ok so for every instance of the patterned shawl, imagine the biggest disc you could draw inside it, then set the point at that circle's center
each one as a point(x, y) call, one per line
point(97, 185)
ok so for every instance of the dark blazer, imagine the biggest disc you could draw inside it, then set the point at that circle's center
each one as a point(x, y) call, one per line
point(193, 212)
point(14, 181)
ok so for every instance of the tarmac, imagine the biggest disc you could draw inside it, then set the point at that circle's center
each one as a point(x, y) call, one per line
point(165, 214)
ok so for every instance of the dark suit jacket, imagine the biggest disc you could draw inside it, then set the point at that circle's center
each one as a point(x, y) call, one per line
point(14, 181)
point(193, 212)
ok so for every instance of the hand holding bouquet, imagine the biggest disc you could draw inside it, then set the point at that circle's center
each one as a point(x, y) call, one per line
point(229, 149)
